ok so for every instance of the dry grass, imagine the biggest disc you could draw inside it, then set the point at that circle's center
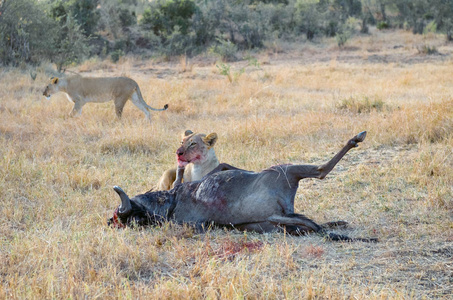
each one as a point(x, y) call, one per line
point(57, 173)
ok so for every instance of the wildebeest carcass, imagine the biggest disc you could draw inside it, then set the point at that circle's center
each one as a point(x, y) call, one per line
point(260, 202)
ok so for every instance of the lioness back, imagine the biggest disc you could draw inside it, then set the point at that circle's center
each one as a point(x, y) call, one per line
point(107, 86)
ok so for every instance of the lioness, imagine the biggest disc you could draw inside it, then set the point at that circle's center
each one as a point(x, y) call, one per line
point(81, 90)
point(196, 154)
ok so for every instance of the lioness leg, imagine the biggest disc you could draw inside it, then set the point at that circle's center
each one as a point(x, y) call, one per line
point(119, 105)
point(166, 180)
point(77, 109)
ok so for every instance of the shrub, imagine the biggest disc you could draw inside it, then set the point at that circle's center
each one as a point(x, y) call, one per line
point(431, 27)
point(364, 105)
point(427, 49)
point(382, 25)
point(164, 15)
point(69, 46)
point(86, 15)
point(116, 55)
point(347, 30)
point(25, 32)
point(177, 43)
point(308, 17)
point(226, 50)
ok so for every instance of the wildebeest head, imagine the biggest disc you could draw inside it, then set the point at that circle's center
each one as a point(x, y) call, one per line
point(145, 209)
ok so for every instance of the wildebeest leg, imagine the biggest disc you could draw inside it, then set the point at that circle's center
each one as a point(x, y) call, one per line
point(298, 172)
point(295, 223)
point(258, 227)
point(298, 224)
point(335, 224)
point(327, 167)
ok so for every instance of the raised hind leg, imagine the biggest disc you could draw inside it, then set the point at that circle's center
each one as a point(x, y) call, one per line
point(298, 172)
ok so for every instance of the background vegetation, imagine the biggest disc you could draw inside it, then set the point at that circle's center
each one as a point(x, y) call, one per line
point(67, 31)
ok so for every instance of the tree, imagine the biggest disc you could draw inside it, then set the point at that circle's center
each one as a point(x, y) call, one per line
point(86, 14)
point(443, 14)
point(69, 45)
point(309, 17)
point(163, 15)
point(415, 12)
point(116, 17)
point(24, 31)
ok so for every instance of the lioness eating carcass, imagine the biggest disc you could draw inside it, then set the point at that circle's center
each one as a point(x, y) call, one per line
point(81, 90)
point(196, 154)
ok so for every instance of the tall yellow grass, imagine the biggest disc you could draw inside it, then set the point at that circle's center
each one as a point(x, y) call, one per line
point(301, 106)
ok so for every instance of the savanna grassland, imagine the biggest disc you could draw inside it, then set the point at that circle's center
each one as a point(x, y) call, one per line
point(301, 104)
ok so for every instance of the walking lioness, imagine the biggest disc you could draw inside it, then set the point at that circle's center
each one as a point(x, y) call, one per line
point(196, 154)
point(81, 90)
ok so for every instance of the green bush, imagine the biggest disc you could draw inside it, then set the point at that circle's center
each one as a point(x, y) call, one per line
point(427, 49)
point(69, 45)
point(382, 25)
point(431, 27)
point(25, 32)
point(85, 13)
point(348, 29)
point(177, 43)
point(164, 15)
point(225, 50)
point(116, 55)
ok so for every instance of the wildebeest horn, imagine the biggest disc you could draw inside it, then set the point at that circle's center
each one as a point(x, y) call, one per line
point(126, 206)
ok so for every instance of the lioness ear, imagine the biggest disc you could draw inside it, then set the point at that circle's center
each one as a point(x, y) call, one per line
point(54, 80)
point(210, 139)
point(188, 132)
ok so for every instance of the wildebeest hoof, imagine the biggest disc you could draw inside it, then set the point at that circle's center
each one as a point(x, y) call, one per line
point(357, 139)
point(361, 136)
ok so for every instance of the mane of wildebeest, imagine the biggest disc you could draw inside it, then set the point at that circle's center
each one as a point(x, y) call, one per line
point(260, 202)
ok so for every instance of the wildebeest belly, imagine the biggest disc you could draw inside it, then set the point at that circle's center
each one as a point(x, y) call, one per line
point(229, 197)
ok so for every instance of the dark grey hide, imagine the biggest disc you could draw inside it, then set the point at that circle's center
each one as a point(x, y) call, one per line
point(260, 202)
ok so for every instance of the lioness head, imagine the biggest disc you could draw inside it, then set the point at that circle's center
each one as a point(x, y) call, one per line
point(52, 87)
point(194, 147)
